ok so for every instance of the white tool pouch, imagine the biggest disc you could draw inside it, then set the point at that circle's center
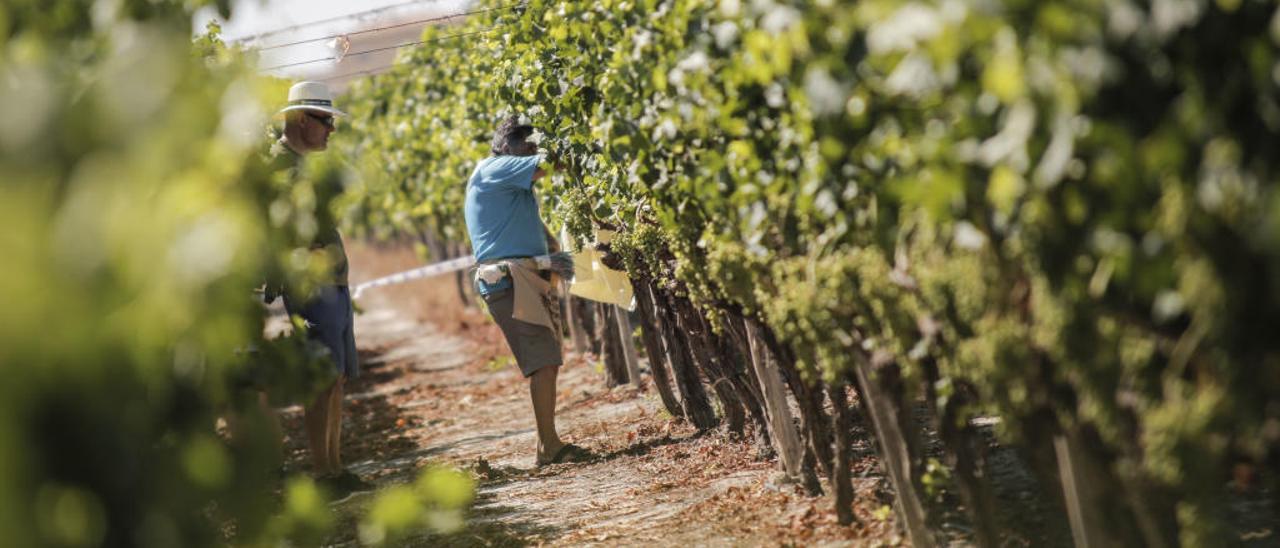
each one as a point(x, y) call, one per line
point(491, 273)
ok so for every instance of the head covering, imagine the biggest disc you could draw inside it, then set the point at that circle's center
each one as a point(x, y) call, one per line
point(313, 96)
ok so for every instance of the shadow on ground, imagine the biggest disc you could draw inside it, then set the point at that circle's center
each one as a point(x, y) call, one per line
point(489, 524)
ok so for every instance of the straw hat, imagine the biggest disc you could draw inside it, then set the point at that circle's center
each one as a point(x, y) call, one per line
point(313, 96)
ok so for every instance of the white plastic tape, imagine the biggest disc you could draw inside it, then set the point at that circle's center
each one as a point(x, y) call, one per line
point(592, 280)
point(444, 267)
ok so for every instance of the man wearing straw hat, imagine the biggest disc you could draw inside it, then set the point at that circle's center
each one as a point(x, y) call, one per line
point(309, 120)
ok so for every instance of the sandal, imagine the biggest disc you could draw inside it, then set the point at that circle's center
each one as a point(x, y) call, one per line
point(569, 453)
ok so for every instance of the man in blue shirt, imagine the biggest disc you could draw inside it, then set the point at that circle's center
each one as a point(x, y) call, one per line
point(506, 235)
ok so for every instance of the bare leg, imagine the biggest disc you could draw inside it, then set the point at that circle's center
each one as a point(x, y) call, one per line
point(316, 417)
point(333, 437)
point(542, 389)
point(241, 426)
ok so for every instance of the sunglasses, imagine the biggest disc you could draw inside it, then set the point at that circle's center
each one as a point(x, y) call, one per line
point(326, 121)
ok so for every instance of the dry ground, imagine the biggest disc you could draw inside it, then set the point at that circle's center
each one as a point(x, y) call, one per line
point(438, 387)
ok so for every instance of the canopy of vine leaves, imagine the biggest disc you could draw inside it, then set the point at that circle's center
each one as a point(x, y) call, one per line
point(139, 217)
point(1067, 205)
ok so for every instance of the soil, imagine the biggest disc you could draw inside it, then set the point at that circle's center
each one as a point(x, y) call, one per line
point(438, 387)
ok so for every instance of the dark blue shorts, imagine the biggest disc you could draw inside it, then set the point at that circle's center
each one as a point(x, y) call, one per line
point(330, 320)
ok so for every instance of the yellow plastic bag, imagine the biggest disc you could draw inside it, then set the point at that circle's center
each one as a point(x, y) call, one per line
point(594, 281)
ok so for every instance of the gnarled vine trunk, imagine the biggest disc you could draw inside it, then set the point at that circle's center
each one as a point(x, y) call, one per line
point(962, 445)
point(703, 353)
point(841, 482)
point(693, 398)
point(739, 361)
point(654, 347)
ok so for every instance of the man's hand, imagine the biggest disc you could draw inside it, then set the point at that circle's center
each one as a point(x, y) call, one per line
point(556, 165)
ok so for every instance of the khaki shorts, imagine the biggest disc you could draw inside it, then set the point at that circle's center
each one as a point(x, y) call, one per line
point(534, 346)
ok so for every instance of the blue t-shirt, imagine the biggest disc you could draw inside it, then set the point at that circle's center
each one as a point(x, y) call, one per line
point(501, 212)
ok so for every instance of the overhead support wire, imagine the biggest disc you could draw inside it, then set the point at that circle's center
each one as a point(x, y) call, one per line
point(376, 50)
point(436, 19)
point(300, 26)
point(375, 70)
point(380, 69)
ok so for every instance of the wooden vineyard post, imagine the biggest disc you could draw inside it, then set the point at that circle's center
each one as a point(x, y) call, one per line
point(1086, 524)
point(813, 420)
point(895, 452)
point(781, 425)
point(628, 343)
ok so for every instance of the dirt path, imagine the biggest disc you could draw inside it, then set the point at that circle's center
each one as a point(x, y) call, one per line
point(438, 387)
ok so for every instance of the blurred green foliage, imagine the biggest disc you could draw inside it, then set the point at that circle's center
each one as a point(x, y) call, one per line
point(141, 212)
point(436, 501)
point(1068, 204)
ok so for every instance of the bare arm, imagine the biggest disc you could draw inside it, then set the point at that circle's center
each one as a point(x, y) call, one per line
point(555, 162)
point(553, 243)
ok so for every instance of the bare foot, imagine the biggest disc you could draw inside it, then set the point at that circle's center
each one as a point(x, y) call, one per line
point(568, 452)
point(548, 452)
